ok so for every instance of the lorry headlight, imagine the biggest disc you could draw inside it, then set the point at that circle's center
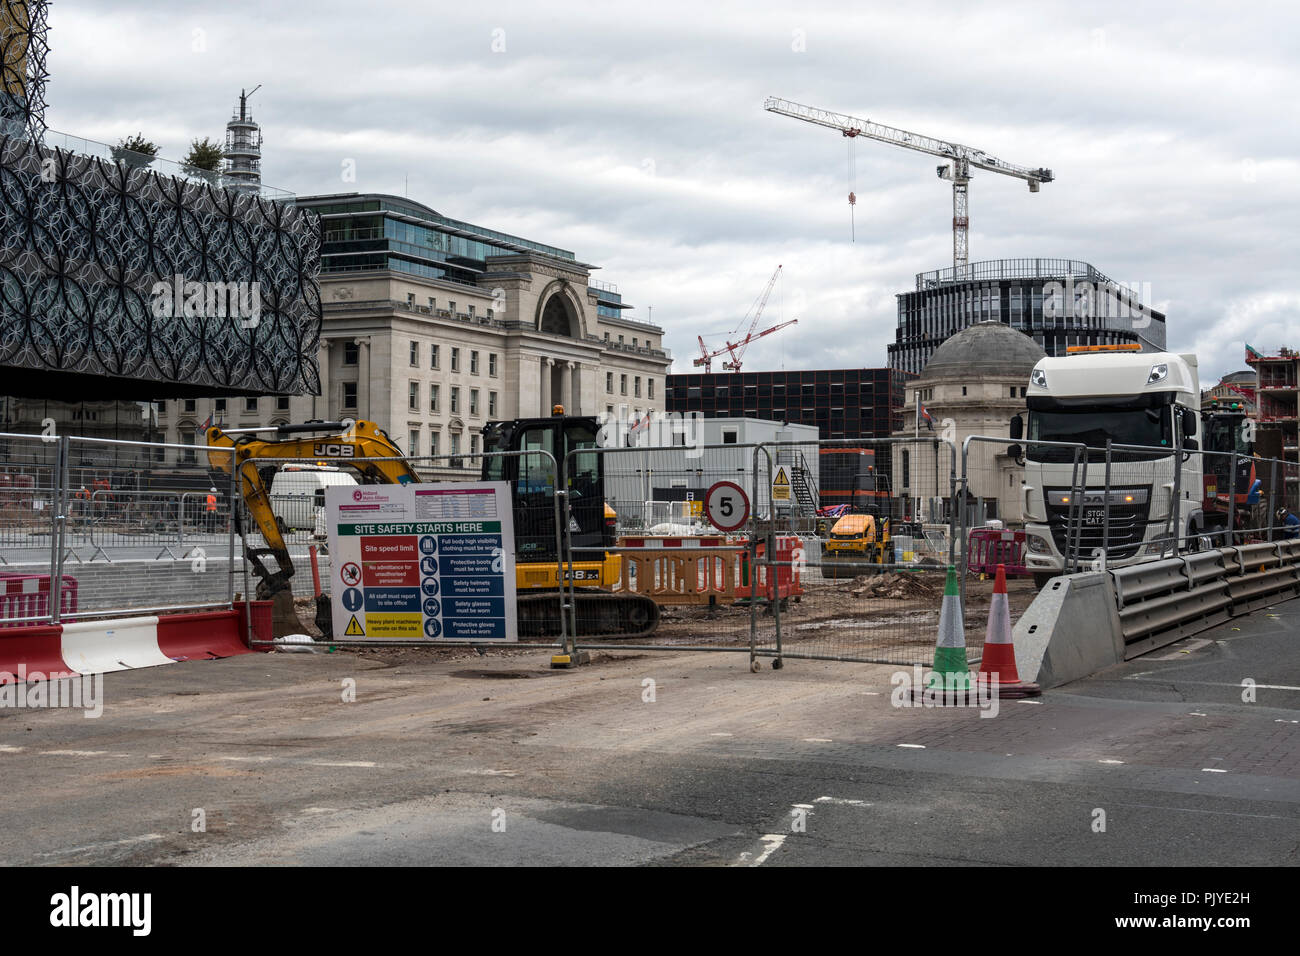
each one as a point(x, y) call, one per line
point(1158, 374)
point(1036, 544)
point(1038, 377)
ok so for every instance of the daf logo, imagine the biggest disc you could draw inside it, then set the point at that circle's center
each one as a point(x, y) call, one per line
point(333, 451)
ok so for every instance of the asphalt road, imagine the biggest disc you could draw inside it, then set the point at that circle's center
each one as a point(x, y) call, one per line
point(449, 758)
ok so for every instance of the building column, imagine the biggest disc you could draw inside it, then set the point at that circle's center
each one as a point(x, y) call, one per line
point(321, 409)
point(566, 386)
point(545, 391)
point(363, 379)
point(575, 394)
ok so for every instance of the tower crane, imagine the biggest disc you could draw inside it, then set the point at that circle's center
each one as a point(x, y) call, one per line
point(737, 349)
point(962, 159)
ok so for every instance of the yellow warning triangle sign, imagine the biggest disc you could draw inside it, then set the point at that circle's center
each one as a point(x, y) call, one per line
point(780, 478)
point(354, 628)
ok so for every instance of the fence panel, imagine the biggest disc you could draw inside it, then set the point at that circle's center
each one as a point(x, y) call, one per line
point(1080, 507)
point(93, 527)
point(30, 491)
point(663, 551)
point(127, 539)
point(868, 584)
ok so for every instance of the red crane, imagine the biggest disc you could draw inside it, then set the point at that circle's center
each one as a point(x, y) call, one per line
point(737, 349)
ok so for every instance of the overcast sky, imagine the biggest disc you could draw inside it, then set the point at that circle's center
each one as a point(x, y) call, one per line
point(634, 135)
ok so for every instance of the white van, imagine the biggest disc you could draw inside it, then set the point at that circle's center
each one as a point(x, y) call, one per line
point(298, 495)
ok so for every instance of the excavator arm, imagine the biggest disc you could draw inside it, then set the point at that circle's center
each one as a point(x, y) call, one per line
point(360, 445)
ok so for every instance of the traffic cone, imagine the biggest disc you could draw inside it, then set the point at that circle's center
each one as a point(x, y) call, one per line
point(998, 662)
point(951, 673)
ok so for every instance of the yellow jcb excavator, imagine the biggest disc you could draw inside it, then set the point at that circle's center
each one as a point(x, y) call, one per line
point(600, 612)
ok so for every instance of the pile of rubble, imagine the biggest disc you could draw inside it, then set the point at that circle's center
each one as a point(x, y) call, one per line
point(893, 585)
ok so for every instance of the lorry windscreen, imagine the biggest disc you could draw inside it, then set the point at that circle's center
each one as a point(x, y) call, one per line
point(1092, 426)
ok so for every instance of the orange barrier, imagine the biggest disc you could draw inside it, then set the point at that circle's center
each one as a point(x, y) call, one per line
point(677, 570)
point(785, 583)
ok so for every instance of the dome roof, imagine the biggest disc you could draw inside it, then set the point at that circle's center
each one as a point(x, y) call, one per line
point(988, 348)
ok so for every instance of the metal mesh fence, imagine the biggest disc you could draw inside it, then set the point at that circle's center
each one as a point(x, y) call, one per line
point(93, 527)
point(869, 583)
point(1078, 507)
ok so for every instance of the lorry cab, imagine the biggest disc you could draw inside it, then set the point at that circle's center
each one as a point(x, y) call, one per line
point(1121, 395)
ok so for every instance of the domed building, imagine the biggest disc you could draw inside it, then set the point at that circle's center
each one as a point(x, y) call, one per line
point(973, 385)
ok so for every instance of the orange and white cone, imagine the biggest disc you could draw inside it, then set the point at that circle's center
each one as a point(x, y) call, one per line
point(998, 662)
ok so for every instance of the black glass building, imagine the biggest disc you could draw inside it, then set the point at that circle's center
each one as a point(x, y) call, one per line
point(1057, 302)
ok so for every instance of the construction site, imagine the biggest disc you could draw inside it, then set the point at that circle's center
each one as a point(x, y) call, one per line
point(487, 585)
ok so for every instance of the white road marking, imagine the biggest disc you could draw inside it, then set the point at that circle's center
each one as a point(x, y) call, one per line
point(720, 735)
point(842, 801)
point(74, 753)
point(1226, 813)
point(248, 759)
point(10, 749)
point(771, 843)
point(913, 746)
point(1211, 683)
point(1212, 770)
point(371, 763)
point(1278, 721)
point(818, 740)
point(1110, 761)
point(147, 838)
point(1196, 713)
point(1038, 702)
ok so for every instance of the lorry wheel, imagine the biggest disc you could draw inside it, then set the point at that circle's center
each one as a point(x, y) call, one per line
point(1041, 578)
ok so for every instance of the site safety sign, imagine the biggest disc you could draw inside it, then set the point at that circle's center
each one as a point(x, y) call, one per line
point(781, 485)
point(432, 561)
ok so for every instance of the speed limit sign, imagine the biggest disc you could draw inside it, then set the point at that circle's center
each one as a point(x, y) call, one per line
point(726, 506)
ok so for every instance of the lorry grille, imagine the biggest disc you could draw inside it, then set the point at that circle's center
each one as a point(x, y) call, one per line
point(1128, 525)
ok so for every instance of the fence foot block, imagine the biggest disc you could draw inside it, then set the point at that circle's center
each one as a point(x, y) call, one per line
point(576, 659)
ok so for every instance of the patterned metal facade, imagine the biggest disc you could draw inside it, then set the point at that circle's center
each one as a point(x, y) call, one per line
point(84, 244)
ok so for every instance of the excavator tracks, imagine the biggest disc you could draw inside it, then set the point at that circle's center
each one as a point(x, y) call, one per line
point(601, 614)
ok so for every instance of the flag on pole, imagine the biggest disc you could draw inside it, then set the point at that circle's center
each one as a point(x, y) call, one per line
point(202, 429)
point(925, 415)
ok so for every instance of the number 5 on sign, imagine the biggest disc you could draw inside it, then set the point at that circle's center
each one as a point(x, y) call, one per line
point(726, 506)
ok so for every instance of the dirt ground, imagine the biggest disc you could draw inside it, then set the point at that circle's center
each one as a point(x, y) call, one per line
point(883, 616)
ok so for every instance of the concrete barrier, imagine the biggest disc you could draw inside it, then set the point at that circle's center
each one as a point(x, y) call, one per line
point(1082, 623)
point(124, 643)
point(1070, 631)
point(115, 644)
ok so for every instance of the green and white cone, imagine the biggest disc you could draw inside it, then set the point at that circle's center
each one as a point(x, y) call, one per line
point(950, 668)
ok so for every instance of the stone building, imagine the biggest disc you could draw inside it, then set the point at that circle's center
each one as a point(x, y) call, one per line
point(974, 384)
point(433, 327)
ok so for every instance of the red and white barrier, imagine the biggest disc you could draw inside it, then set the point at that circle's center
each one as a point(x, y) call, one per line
point(116, 644)
point(675, 541)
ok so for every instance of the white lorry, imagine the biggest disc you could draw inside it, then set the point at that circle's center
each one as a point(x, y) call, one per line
point(1130, 397)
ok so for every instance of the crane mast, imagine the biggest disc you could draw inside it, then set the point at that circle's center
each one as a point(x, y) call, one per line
point(961, 160)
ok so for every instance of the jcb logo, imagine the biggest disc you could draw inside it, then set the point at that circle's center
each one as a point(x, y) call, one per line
point(334, 451)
